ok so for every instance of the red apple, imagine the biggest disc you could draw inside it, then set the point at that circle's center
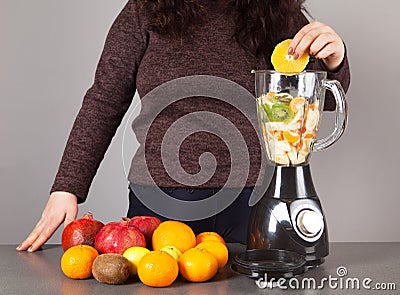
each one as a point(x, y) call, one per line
point(147, 225)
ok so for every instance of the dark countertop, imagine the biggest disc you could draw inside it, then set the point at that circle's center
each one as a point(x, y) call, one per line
point(40, 273)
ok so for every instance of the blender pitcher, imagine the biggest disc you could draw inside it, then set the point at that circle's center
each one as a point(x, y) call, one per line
point(289, 109)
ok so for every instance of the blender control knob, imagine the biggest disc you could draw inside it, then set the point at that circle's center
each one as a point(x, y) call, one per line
point(309, 222)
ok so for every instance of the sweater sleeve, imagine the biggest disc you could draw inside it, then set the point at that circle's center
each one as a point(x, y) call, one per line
point(104, 104)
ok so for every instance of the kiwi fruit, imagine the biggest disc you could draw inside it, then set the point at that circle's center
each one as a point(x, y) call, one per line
point(111, 269)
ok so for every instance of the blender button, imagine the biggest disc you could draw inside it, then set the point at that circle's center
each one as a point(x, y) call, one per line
point(309, 222)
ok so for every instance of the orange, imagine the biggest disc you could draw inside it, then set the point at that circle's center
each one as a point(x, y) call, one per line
point(157, 269)
point(77, 261)
point(173, 233)
point(217, 249)
point(209, 236)
point(284, 62)
point(197, 265)
point(310, 135)
point(291, 137)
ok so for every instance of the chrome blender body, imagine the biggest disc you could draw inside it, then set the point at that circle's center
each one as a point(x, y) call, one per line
point(289, 215)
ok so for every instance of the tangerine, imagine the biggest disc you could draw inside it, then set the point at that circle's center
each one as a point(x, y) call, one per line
point(284, 62)
point(77, 261)
point(217, 249)
point(173, 233)
point(157, 269)
point(297, 104)
point(209, 236)
point(197, 265)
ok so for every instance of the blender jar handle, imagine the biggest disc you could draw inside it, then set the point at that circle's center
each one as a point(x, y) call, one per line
point(341, 115)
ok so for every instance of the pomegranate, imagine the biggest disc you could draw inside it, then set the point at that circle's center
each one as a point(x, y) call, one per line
point(147, 225)
point(81, 232)
point(116, 237)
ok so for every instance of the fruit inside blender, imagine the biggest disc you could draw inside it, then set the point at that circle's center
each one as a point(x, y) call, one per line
point(288, 126)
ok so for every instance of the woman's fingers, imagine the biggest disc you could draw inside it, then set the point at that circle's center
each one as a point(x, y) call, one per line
point(41, 233)
point(60, 206)
point(31, 238)
point(325, 52)
point(320, 40)
point(44, 235)
point(320, 43)
point(305, 38)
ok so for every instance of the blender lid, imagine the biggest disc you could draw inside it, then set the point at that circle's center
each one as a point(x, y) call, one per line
point(275, 263)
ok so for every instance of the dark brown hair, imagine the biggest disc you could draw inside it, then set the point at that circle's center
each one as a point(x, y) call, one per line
point(259, 22)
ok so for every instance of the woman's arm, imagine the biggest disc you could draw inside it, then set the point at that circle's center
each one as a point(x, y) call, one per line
point(104, 104)
point(103, 108)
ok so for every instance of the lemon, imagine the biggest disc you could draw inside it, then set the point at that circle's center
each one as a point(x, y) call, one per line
point(173, 251)
point(134, 255)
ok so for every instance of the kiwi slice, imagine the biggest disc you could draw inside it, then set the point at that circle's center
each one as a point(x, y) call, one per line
point(267, 109)
point(280, 112)
point(282, 97)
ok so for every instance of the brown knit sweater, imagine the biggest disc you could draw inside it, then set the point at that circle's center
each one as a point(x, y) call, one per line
point(135, 58)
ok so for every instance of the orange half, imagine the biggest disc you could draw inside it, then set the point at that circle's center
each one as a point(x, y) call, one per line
point(284, 62)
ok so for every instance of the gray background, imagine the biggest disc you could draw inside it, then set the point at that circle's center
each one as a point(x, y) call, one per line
point(48, 54)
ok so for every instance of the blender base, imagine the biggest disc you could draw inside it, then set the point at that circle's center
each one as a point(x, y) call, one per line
point(267, 264)
point(276, 219)
point(315, 263)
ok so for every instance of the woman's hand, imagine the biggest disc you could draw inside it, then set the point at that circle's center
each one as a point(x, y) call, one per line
point(321, 41)
point(61, 207)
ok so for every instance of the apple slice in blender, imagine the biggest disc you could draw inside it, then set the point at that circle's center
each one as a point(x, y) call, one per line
point(282, 159)
point(297, 104)
point(267, 100)
point(312, 120)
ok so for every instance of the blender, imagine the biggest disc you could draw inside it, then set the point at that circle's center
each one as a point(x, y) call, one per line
point(287, 231)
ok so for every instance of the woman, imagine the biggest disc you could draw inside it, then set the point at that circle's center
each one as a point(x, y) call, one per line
point(154, 41)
